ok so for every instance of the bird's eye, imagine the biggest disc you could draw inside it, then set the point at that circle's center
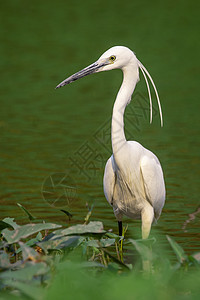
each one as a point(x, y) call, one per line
point(112, 58)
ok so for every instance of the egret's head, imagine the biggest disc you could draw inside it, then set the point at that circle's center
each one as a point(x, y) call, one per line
point(117, 57)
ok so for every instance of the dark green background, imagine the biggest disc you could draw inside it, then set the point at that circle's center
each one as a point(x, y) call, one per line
point(42, 42)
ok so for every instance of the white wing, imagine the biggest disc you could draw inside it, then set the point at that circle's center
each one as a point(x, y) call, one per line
point(153, 182)
point(109, 180)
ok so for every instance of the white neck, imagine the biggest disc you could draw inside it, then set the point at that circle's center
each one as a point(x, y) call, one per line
point(130, 78)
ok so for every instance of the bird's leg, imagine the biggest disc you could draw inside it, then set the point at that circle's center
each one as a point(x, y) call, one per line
point(121, 240)
point(147, 219)
point(120, 227)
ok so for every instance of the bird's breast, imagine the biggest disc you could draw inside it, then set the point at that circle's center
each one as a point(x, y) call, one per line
point(128, 195)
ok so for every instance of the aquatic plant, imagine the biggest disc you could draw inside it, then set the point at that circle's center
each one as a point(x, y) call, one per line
point(47, 261)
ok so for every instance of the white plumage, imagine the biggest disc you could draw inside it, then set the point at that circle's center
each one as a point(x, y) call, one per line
point(133, 178)
point(136, 187)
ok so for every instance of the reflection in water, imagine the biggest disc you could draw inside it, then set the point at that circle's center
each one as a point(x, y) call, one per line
point(191, 218)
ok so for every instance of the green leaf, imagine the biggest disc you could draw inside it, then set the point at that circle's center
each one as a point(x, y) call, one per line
point(91, 264)
point(112, 235)
point(39, 236)
point(27, 273)
point(28, 252)
point(13, 236)
point(34, 292)
point(107, 242)
point(60, 243)
point(10, 221)
point(30, 216)
point(178, 250)
point(4, 261)
point(4, 225)
point(143, 250)
point(31, 242)
point(102, 243)
point(114, 267)
point(92, 243)
point(92, 227)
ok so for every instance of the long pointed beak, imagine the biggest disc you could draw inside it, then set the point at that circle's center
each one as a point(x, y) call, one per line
point(93, 68)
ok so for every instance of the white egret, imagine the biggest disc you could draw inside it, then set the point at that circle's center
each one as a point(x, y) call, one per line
point(133, 178)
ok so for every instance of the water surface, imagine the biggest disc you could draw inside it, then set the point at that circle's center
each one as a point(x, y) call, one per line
point(44, 132)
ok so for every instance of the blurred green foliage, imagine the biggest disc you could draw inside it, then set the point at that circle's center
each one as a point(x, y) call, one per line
point(83, 261)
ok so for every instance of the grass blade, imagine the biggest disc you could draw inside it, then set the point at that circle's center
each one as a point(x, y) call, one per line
point(30, 216)
point(178, 250)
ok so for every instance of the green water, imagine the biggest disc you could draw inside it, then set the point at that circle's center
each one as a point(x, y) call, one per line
point(42, 130)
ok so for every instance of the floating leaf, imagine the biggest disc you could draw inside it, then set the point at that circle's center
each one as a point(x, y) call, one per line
point(13, 236)
point(92, 227)
point(30, 216)
point(178, 250)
